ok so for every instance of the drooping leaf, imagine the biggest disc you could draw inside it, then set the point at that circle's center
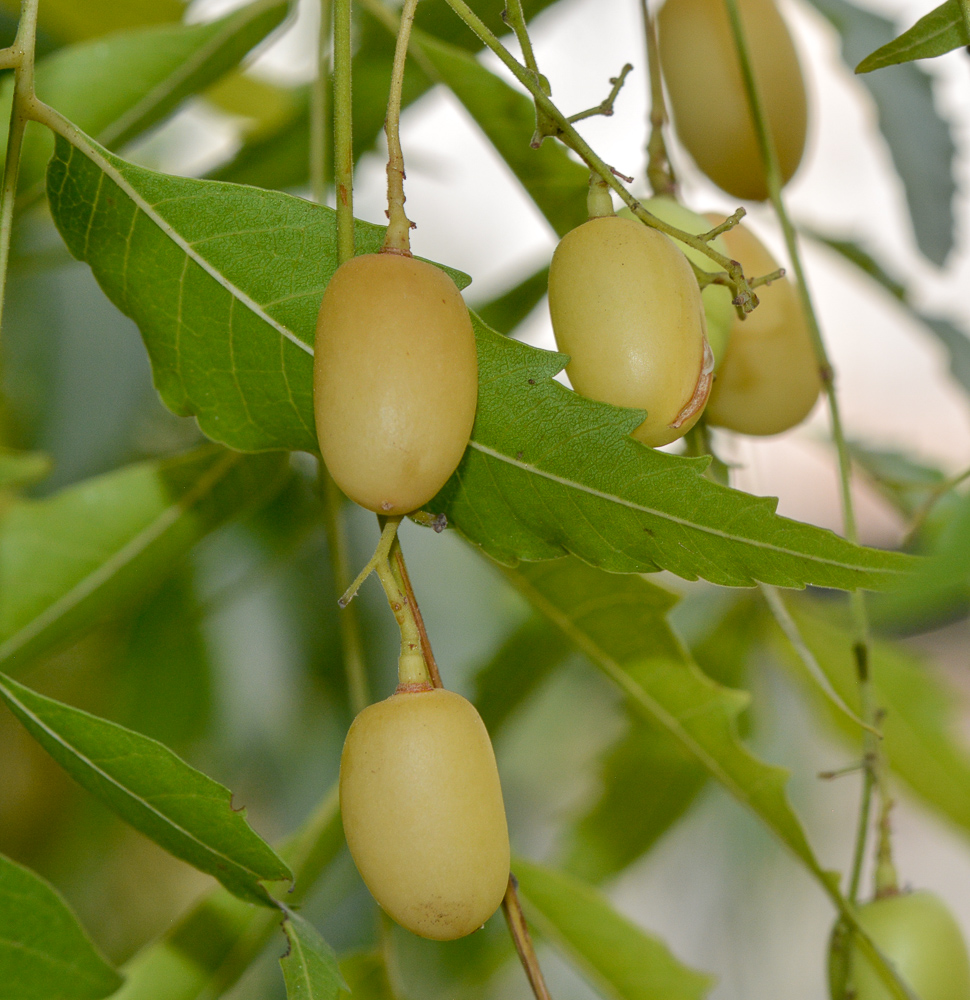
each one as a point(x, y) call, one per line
point(21, 468)
point(547, 471)
point(117, 87)
point(71, 559)
point(178, 807)
point(516, 669)
point(921, 730)
point(919, 139)
point(649, 782)
point(556, 183)
point(44, 952)
point(507, 311)
point(934, 34)
point(905, 482)
point(620, 959)
point(309, 966)
point(207, 951)
point(863, 260)
point(957, 344)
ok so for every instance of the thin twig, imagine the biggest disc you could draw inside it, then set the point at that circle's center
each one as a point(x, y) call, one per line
point(320, 107)
point(660, 173)
point(936, 494)
point(514, 17)
point(343, 129)
point(519, 930)
point(605, 107)
point(405, 580)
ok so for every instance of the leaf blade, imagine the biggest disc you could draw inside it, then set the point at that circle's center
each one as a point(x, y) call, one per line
point(310, 967)
point(934, 34)
point(45, 954)
point(178, 807)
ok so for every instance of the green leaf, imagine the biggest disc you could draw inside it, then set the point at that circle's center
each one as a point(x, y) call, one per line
point(22, 468)
point(649, 782)
point(904, 482)
point(862, 259)
point(44, 952)
point(310, 966)
point(229, 342)
point(620, 959)
point(207, 951)
point(556, 183)
point(70, 21)
point(517, 668)
point(547, 471)
point(69, 560)
point(919, 139)
point(618, 622)
point(507, 311)
point(934, 34)
point(117, 87)
point(178, 807)
point(366, 976)
point(920, 728)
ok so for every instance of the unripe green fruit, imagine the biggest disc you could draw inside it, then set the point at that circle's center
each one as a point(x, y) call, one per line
point(717, 299)
point(626, 308)
point(918, 935)
point(395, 380)
point(769, 379)
point(708, 101)
point(423, 813)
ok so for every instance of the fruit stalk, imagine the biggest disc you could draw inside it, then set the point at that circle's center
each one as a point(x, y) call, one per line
point(398, 238)
point(519, 930)
point(320, 107)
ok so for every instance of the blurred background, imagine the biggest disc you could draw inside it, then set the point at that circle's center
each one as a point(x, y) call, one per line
point(235, 660)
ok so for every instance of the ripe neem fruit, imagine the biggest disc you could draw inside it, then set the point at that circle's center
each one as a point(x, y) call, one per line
point(626, 308)
point(717, 299)
point(918, 935)
point(395, 377)
point(769, 378)
point(423, 813)
point(708, 101)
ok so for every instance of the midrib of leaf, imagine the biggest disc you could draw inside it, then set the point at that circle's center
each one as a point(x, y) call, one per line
point(297, 946)
point(9, 695)
point(163, 90)
point(79, 141)
point(619, 676)
point(692, 525)
point(898, 50)
point(123, 556)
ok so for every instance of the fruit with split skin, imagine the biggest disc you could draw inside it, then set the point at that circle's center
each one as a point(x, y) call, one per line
point(708, 102)
point(395, 380)
point(626, 308)
point(769, 379)
point(717, 299)
point(918, 935)
point(423, 812)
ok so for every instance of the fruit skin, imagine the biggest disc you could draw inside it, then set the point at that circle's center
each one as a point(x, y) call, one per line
point(423, 813)
point(707, 98)
point(395, 380)
point(769, 378)
point(626, 308)
point(717, 299)
point(918, 934)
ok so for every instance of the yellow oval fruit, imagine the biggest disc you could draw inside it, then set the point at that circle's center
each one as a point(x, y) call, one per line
point(918, 934)
point(708, 103)
point(395, 380)
point(626, 308)
point(717, 299)
point(769, 379)
point(423, 813)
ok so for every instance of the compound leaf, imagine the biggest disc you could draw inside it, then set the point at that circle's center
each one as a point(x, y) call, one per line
point(178, 807)
point(45, 954)
point(225, 283)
